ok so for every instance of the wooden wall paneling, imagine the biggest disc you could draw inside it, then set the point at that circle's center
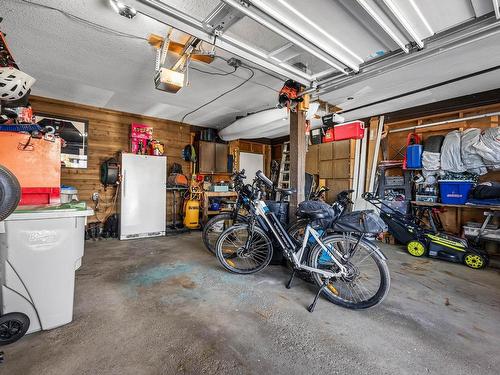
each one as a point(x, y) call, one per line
point(108, 135)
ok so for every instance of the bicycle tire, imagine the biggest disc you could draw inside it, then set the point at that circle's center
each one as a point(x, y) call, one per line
point(335, 298)
point(228, 259)
point(210, 244)
point(10, 192)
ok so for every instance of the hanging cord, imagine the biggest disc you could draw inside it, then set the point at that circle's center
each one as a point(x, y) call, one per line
point(98, 27)
point(221, 95)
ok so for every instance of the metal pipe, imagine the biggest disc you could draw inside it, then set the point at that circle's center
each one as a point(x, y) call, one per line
point(273, 25)
point(496, 6)
point(444, 122)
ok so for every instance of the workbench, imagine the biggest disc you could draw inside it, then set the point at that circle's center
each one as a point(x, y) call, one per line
point(214, 194)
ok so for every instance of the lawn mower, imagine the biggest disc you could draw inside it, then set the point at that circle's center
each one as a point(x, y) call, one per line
point(421, 240)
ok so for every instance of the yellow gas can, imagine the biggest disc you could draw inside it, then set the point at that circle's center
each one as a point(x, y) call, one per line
point(192, 214)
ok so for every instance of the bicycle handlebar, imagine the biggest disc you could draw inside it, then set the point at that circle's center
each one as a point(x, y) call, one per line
point(261, 176)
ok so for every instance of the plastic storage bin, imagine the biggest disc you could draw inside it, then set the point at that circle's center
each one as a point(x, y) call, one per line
point(454, 192)
point(414, 156)
point(348, 130)
point(40, 250)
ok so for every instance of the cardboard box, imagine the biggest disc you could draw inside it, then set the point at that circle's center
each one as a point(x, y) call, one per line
point(326, 169)
point(336, 186)
point(312, 160)
point(326, 151)
point(343, 168)
point(342, 149)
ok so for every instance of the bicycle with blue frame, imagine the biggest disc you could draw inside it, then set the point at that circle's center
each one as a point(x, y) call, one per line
point(349, 269)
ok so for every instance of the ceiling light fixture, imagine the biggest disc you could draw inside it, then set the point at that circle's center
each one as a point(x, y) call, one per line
point(288, 36)
point(312, 24)
point(402, 19)
point(123, 9)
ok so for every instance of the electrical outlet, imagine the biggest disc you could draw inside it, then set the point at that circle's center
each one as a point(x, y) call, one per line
point(95, 196)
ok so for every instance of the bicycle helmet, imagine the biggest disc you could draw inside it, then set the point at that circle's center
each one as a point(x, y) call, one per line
point(14, 84)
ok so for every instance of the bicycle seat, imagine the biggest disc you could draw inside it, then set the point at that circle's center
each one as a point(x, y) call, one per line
point(312, 215)
point(285, 191)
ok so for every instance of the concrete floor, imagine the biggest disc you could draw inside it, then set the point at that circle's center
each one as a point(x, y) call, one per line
point(165, 306)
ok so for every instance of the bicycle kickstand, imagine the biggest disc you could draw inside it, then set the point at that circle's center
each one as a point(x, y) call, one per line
point(313, 305)
point(289, 283)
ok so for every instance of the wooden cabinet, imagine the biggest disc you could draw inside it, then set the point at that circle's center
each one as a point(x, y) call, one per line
point(221, 151)
point(206, 157)
point(212, 157)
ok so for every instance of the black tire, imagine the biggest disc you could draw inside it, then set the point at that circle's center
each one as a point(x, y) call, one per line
point(224, 220)
point(348, 287)
point(13, 326)
point(235, 258)
point(10, 193)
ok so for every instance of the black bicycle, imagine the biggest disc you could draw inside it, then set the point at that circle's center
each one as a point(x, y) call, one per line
point(349, 270)
point(219, 223)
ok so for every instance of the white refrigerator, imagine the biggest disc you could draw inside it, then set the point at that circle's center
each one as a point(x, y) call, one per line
point(143, 196)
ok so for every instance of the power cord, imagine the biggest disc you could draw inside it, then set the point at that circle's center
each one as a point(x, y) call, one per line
point(212, 73)
point(221, 95)
point(101, 28)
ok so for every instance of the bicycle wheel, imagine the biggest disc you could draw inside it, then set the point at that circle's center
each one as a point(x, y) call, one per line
point(216, 225)
point(237, 256)
point(367, 281)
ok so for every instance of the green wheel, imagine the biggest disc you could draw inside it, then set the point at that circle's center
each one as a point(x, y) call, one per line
point(416, 248)
point(475, 261)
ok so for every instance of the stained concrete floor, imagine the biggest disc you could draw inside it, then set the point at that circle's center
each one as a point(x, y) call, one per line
point(165, 306)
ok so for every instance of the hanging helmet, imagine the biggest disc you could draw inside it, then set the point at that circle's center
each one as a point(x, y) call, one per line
point(14, 84)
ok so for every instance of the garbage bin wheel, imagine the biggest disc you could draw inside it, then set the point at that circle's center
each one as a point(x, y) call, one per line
point(10, 192)
point(13, 326)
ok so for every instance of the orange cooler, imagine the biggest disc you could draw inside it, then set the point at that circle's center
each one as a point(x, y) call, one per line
point(37, 165)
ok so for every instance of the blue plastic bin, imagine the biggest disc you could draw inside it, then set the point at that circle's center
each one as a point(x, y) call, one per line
point(454, 192)
point(414, 156)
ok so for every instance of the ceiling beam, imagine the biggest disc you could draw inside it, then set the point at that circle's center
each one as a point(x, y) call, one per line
point(451, 39)
point(189, 25)
point(404, 21)
point(275, 26)
point(496, 7)
point(372, 9)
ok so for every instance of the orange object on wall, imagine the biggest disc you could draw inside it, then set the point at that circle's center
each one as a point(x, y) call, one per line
point(35, 162)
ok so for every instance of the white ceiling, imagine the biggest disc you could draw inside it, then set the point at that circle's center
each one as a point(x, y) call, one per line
point(74, 62)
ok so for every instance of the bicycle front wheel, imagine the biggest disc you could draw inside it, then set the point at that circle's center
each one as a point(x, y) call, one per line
point(367, 280)
point(242, 250)
point(216, 225)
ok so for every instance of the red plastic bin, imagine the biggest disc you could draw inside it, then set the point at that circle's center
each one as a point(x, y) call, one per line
point(348, 130)
point(31, 196)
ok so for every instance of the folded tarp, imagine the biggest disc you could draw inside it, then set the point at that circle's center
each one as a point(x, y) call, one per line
point(472, 161)
point(451, 159)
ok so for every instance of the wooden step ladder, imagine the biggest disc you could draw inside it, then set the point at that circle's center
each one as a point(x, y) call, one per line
point(284, 176)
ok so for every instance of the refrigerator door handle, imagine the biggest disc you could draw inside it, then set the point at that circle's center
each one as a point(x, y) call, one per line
point(124, 183)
